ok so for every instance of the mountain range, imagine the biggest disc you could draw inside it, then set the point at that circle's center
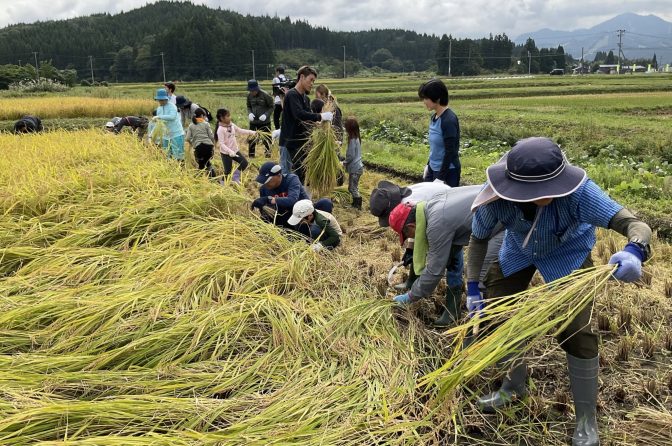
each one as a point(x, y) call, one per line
point(642, 37)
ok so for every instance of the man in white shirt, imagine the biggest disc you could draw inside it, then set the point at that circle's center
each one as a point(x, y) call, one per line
point(278, 95)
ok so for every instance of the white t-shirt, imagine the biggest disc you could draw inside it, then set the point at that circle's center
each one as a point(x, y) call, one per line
point(424, 191)
point(278, 80)
point(172, 99)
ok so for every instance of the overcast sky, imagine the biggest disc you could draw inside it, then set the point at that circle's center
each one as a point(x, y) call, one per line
point(461, 18)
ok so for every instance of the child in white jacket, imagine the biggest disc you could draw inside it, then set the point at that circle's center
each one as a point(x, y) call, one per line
point(228, 146)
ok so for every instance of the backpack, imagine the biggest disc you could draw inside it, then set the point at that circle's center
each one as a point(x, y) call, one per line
point(207, 113)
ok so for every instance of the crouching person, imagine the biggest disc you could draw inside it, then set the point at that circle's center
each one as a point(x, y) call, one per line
point(319, 225)
point(137, 124)
point(28, 124)
point(549, 209)
point(441, 228)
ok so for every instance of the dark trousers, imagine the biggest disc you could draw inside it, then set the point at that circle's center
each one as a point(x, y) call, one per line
point(452, 180)
point(299, 163)
point(578, 339)
point(203, 154)
point(228, 165)
point(252, 142)
point(277, 112)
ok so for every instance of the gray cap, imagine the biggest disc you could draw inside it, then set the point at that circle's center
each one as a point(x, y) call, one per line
point(384, 198)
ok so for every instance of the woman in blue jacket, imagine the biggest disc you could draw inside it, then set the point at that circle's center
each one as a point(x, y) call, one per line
point(444, 135)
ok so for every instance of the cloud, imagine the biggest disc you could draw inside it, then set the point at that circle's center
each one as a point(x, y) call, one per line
point(461, 18)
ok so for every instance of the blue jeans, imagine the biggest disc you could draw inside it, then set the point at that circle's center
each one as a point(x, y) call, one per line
point(285, 160)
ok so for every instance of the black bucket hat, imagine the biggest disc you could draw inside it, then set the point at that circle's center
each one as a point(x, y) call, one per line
point(535, 168)
point(384, 198)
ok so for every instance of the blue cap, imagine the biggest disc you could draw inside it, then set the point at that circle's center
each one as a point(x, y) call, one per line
point(252, 85)
point(161, 95)
point(268, 170)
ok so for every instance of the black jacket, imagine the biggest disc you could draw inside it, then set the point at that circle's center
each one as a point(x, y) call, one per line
point(28, 124)
point(296, 115)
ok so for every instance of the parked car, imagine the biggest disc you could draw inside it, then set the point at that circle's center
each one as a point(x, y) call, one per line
point(557, 72)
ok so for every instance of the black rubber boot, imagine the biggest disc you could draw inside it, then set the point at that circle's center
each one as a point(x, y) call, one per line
point(513, 387)
point(583, 382)
point(357, 203)
point(451, 312)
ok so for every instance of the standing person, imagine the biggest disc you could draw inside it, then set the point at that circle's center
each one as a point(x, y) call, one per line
point(278, 95)
point(296, 116)
point(228, 146)
point(259, 109)
point(136, 123)
point(28, 124)
point(444, 135)
point(170, 88)
point(188, 108)
point(202, 140)
point(353, 161)
point(549, 209)
point(441, 228)
point(173, 141)
point(323, 93)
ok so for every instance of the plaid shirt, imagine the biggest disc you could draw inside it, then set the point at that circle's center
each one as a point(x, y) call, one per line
point(562, 238)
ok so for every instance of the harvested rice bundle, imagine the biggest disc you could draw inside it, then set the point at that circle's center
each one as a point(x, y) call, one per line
point(524, 318)
point(322, 163)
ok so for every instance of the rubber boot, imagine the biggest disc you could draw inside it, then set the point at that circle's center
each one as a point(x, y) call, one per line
point(583, 382)
point(236, 176)
point(513, 387)
point(357, 203)
point(451, 312)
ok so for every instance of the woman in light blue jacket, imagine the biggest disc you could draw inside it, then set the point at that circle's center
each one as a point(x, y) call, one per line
point(173, 140)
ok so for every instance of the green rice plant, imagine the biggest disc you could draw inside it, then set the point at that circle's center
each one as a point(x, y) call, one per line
point(322, 164)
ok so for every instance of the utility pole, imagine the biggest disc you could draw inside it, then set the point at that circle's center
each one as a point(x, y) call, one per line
point(37, 67)
point(93, 81)
point(163, 67)
point(450, 53)
point(529, 63)
point(620, 48)
point(581, 72)
point(19, 62)
point(343, 61)
point(253, 73)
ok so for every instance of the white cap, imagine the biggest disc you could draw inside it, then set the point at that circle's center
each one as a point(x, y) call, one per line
point(109, 124)
point(301, 210)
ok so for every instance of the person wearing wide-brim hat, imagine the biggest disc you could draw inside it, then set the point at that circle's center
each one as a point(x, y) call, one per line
point(550, 210)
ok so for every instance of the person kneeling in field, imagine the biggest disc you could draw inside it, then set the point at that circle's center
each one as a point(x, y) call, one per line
point(321, 226)
point(441, 228)
point(279, 193)
point(136, 123)
point(549, 209)
point(28, 124)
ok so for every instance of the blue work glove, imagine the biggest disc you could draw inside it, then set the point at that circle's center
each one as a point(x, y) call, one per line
point(475, 301)
point(259, 203)
point(403, 299)
point(629, 262)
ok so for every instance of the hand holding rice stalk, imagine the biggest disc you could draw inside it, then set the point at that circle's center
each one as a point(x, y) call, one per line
point(524, 318)
point(159, 131)
point(322, 163)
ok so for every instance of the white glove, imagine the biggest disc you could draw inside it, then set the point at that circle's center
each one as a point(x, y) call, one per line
point(251, 116)
point(275, 134)
point(327, 116)
point(155, 118)
point(232, 155)
point(262, 118)
point(317, 247)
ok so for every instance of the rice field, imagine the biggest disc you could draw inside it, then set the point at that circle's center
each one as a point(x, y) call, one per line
point(142, 304)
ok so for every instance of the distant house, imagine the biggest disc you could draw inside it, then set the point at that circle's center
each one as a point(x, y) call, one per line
point(581, 69)
point(614, 69)
point(607, 69)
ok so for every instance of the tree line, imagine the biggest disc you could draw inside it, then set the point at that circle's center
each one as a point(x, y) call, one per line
point(194, 42)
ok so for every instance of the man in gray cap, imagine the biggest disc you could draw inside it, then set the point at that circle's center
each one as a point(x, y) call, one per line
point(260, 110)
point(549, 209)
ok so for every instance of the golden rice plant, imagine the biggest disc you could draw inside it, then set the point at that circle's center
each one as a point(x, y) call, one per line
point(523, 319)
point(74, 107)
point(322, 163)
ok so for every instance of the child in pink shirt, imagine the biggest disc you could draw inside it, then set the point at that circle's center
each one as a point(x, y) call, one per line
point(228, 146)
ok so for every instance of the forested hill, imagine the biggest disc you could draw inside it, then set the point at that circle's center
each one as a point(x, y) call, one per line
point(203, 43)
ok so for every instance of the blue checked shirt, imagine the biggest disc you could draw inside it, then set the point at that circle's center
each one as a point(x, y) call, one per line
point(561, 240)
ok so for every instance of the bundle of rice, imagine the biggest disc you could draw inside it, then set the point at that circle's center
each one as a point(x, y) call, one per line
point(322, 163)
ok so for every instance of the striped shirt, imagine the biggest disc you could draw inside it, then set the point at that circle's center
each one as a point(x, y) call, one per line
point(562, 238)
